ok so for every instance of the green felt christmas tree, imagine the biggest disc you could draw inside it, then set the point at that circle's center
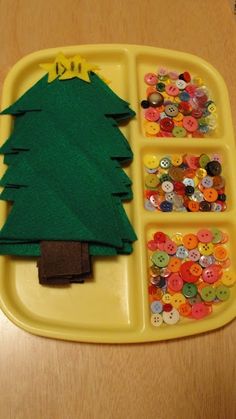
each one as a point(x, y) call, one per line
point(65, 176)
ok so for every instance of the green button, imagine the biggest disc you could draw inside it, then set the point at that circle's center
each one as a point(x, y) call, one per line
point(161, 87)
point(203, 160)
point(208, 293)
point(179, 132)
point(222, 292)
point(189, 290)
point(217, 235)
point(160, 259)
point(165, 178)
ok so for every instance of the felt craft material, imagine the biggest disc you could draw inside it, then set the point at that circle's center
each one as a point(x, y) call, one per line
point(65, 177)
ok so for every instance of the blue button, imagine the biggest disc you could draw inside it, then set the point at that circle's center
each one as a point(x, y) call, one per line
point(156, 307)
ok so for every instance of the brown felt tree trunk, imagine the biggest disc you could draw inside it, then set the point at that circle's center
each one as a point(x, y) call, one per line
point(63, 262)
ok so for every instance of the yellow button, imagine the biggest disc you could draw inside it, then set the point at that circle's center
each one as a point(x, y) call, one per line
point(176, 160)
point(206, 249)
point(211, 108)
point(151, 128)
point(166, 298)
point(228, 278)
point(151, 181)
point(197, 80)
point(151, 161)
point(179, 117)
point(201, 173)
point(177, 238)
point(177, 299)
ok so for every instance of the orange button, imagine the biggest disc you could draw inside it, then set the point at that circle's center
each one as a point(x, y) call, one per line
point(196, 269)
point(190, 241)
point(174, 264)
point(210, 194)
point(220, 253)
point(185, 309)
point(193, 206)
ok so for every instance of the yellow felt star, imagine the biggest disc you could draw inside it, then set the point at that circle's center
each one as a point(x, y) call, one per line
point(80, 68)
point(59, 66)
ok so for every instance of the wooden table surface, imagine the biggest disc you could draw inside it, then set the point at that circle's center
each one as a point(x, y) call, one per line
point(187, 378)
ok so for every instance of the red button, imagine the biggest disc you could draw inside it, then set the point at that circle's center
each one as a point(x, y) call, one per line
point(191, 89)
point(179, 187)
point(159, 237)
point(186, 77)
point(196, 113)
point(167, 124)
point(186, 274)
point(199, 310)
point(204, 236)
point(172, 90)
point(175, 282)
point(167, 307)
point(185, 108)
point(152, 245)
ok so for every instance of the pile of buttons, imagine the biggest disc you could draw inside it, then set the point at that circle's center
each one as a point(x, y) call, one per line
point(189, 274)
point(184, 183)
point(177, 105)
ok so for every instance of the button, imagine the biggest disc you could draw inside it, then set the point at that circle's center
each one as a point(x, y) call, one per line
point(207, 182)
point(193, 206)
point(160, 87)
point(178, 117)
point(211, 274)
point(145, 104)
point(171, 317)
point(177, 299)
point(155, 99)
point(188, 182)
point(208, 293)
point(196, 270)
point(190, 241)
point(167, 186)
point(181, 84)
point(181, 252)
point(170, 247)
point(171, 110)
point(167, 307)
point(205, 249)
point(175, 282)
point(194, 300)
point(228, 278)
point(174, 264)
point(162, 71)
point(190, 123)
point(165, 163)
point(160, 237)
point(210, 195)
point(151, 181)
point(185, 309)
point(205, 236)
point(166, 206)
point(156, 320)
point(204, 206)
point(217, 235)
point(213, 168)
point(148, 206)
point(152, 245)
point(176, 160)
point(199, 310)
point(172, 90)
point(160, 259)
point(222, 292)
point(151, 161)
point(151, 79)
point(156, 307)
point(151, 128)
point(166, 124)
point(194, 255)
point(166, 298)
point(152, 114)
point(189, 290)
point(185, 272)
point(179, 132)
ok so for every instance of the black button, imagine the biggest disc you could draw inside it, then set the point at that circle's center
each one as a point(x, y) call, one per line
point(145, 104)
point(205, 206)
point(213, 168)
point(189, 190)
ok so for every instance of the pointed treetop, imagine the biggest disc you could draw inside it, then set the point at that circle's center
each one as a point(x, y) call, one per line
point(68, 68)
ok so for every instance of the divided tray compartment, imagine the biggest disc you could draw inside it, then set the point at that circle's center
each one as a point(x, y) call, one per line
point(113, 307)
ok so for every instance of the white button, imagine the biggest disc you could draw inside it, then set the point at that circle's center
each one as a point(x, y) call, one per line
point(181, 84)
point(167, 186)
point(156, 319)
point(171, 317)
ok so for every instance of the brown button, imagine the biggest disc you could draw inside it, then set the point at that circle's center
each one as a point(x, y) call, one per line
point(176, 173)
point(155, 99)
point(218, 182)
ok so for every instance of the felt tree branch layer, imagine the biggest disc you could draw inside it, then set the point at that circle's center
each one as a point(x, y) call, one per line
point(65, 176)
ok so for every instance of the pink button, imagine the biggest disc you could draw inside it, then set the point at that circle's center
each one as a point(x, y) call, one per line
point(211, 274)
point(162, 71)
point(190, 123)
point(173, 75)
point(152, 245)
point(204, 236)
point(175, 282)
point(194, 255)
point(151, 114)
point(172, 90)
point(151, 79)
point(199, 310)
point(170, 247)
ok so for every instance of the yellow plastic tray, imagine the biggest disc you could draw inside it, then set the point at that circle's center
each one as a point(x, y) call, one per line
point(114, 306)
